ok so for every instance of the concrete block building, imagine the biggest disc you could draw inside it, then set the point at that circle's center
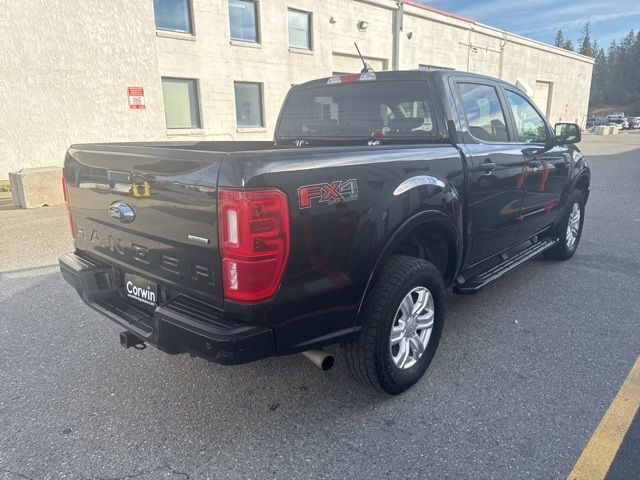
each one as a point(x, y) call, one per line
point(78, 71)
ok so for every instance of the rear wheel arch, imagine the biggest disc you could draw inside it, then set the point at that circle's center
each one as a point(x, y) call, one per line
point(430, 241)
point(430, 235)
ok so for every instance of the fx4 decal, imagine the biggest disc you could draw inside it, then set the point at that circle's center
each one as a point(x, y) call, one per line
point(329, 193)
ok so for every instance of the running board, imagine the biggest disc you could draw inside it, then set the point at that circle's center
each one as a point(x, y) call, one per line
point(477, 283)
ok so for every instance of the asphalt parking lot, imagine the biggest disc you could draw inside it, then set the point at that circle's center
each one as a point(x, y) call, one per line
point(524, 373)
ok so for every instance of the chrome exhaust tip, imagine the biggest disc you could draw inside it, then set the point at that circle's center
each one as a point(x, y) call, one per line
point(321, 359)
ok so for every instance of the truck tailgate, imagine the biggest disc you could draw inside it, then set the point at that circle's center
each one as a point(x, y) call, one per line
point(150, 211)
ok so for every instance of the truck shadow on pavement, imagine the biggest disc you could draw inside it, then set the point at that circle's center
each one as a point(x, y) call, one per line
point(284, 393)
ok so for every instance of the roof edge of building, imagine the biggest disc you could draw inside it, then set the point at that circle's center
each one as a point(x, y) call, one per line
point(502, 32)
point(416, 4)
point(387, 4)
point(539, 44)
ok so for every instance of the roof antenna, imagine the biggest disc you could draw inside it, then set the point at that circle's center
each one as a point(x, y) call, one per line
point(367, 68)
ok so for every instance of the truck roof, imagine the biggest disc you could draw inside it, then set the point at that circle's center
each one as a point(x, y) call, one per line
point(407, 75)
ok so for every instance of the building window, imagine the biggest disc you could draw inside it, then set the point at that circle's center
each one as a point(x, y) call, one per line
point(299, 29)
point(243, 19)
point(173, 15)
point(181, 102)
point(249, 105)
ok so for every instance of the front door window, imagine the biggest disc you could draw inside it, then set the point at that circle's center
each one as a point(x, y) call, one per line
point(530, 126)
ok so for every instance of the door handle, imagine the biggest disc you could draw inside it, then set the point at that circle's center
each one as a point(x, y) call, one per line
point(487, 166)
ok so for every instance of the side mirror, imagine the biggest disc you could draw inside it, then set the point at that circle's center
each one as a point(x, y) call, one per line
point(567, 133)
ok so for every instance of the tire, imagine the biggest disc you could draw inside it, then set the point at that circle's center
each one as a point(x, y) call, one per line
point(564, 249)
point(371, 357)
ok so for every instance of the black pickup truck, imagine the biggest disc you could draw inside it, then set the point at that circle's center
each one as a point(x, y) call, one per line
point(378, 192)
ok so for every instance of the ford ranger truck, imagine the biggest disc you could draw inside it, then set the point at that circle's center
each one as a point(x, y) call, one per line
point(378, 191)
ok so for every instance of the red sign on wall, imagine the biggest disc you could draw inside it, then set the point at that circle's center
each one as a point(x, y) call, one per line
point(136, 97)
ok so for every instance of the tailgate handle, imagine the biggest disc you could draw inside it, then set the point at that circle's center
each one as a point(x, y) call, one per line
point(117, 177)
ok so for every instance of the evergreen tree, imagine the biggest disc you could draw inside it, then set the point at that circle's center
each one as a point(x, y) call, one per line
point(626, 68)
point(586, 48)
point(635, 85)
point(612, 79)
point(616, 70)
point(599, 72)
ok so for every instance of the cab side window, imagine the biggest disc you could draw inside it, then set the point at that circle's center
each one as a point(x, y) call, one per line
point(530, 126)
point(485, 117)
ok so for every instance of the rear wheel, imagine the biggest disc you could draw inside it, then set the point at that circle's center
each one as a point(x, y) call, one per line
point(402, 322)
point(569, 230)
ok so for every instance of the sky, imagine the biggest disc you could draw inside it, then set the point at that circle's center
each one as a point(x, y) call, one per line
point(541, 19)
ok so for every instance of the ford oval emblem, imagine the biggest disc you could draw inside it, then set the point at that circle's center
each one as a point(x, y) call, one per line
point(122, 212)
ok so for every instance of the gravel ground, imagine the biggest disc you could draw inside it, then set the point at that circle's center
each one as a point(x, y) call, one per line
point(524, 372)
point(32, 238)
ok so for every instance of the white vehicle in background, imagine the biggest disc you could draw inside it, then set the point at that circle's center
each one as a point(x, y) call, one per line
point(605, 122)
point(616, 116)
point(622, 123)
point(634, 123)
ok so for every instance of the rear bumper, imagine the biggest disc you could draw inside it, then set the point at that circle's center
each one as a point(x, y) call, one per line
point(180, 325)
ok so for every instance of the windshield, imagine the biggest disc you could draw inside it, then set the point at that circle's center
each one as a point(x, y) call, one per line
point(397, 109)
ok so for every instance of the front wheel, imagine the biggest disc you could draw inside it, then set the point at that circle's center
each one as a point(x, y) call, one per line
point(569, 230)
point(402, 322)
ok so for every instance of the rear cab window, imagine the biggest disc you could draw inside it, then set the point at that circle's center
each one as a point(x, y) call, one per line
point(485, 118)
point(385, 110)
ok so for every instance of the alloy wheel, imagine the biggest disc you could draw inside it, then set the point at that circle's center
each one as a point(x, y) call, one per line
point(412, 327)
point(573, 226)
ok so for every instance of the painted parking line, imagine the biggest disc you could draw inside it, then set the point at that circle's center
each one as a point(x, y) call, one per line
point(599, 453)
point(626, 464)
point(29, 272)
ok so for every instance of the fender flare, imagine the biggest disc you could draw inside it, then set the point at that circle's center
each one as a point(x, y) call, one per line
point(585, 172)
point(425, 217)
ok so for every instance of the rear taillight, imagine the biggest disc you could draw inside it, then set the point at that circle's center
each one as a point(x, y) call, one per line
point(254, 241)
point(65, 193)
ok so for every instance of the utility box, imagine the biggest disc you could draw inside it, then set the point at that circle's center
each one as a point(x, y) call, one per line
point(37, 187)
